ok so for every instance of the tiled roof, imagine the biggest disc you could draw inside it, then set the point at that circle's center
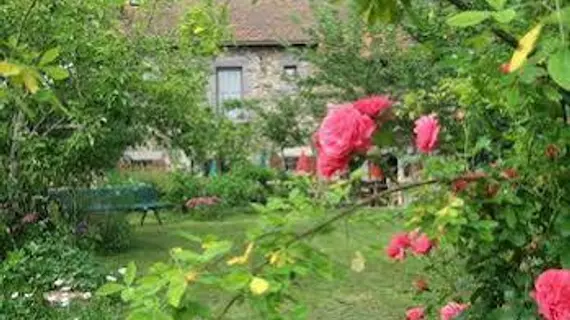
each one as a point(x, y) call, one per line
point(261, 22)
point(270, 21)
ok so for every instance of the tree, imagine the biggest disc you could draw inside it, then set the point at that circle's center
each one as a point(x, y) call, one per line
point(78, 91)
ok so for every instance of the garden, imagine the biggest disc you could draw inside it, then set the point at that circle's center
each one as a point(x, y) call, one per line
point(470, 96)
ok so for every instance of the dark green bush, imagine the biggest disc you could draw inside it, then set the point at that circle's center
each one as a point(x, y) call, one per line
point(42, 261)
point(110, 233)
point(234, 190)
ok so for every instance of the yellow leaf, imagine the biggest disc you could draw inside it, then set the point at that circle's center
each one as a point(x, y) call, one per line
point(358, 262)
point(526, 45)
point(8, 69)
point(258, 286)
point(30, 82)
point(243, 258)
point(191, 276)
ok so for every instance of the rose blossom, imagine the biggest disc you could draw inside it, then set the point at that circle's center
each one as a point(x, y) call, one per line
point(398, 245)
point(420, 243)
point(452, 310)
point(417, 313)
point(373, 106)
point(552, 294)
point(343, 132)
point(427, 132)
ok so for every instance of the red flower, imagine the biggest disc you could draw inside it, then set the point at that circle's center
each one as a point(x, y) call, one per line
point(420, 243)
point(343, 132)
point(417, 313)
point(398, 245)
point(505, 68)
point(552, 151)
point(452, 310)
point(427, 133)
point(552, 294)
point(421, 285)
point(373, 106)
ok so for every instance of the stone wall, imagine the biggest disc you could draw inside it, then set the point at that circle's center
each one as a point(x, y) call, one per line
point(262, 70)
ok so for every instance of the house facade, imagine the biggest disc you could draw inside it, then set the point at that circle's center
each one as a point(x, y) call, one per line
point(257, 62)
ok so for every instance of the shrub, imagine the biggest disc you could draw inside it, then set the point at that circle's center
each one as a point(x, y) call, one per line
point(235, 190)
point(38, 264)
point(110, 234)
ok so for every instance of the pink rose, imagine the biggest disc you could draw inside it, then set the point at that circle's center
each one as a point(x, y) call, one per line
point(420, 243)
point(427, 131)
point(552, 294)
point(452, 310)
point(398, 245)
point(343, 132)
point(417, 313)
point(373, 106)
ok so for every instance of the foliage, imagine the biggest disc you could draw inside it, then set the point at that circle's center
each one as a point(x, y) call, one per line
point(78, 92)
point(287, 124)
point(110, 234)
point(263, 274)
point(37, 265)
point(35, 308)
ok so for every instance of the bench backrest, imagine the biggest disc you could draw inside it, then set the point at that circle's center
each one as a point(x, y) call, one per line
point(104, 198)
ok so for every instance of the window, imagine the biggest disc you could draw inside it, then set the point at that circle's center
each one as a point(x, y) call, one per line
point(229, 85)
point(290, 71)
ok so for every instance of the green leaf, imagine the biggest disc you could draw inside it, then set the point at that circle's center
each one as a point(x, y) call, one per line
point(497, 4)
point(49, 56)
point(504, 16)
point(236, 280)
point(511, 218)
point(56, 72)
point(131, 273)
point(109, 289)
point(176, 290)
point(216, 249)
point(559, 68)
point(468, 18)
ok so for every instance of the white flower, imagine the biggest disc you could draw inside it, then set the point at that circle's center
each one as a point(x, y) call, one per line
point(27, 295)
point(66, 289)
point(58, 282)
point(87, 295)
point(111, 278)
point(122, 271)
point(14, 295)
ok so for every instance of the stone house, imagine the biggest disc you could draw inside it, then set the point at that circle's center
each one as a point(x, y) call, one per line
point(257, 62)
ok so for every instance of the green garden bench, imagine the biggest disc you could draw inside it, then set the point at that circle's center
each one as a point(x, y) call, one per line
point(109, 200)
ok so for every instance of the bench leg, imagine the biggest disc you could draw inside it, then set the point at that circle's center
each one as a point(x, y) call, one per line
point(143, 217)
point(157, 217)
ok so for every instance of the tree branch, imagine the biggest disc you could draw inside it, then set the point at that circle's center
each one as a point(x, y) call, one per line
point(346, 212)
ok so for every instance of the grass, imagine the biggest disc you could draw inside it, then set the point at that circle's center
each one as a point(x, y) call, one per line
point(381, 291)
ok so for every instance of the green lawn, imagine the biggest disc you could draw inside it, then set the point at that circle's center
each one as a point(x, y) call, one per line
point(381, 291)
